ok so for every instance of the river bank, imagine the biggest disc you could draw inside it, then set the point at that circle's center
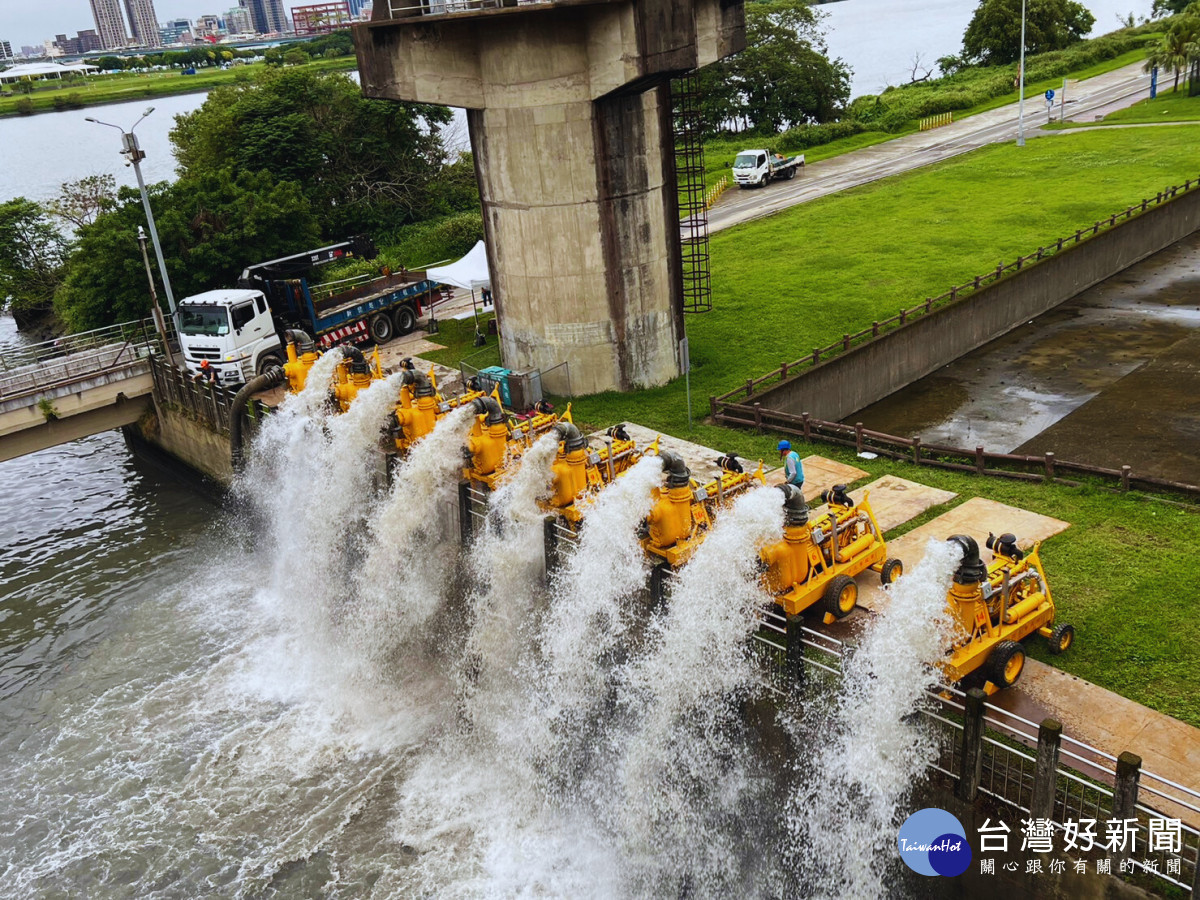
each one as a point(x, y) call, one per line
point(105, 90)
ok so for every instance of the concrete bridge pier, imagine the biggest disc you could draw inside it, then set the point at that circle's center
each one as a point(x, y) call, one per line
point(569, 111)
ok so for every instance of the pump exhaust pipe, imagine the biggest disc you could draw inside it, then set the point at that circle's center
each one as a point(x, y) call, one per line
point(571, 436)
point(422, 386)
point(678, 474)
point(273, 377)
point(304, 343)
point(358, 362)
point(972, 569)
point(491, 406)
point(795, 507)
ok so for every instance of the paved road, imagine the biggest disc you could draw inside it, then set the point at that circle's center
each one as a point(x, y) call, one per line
point(1107, 92)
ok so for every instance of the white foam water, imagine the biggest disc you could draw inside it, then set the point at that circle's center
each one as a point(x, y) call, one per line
point(345, 703)
point(854, 780)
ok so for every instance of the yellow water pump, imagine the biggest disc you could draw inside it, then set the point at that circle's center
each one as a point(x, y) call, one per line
point(817, 560)
point(994, 607)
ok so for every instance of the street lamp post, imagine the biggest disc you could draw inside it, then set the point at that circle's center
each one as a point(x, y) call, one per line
point(133, 152)
point(1021, 98)
point(159, 325)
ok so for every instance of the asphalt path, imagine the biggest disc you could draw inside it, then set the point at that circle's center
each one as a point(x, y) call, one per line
point(1112, 90)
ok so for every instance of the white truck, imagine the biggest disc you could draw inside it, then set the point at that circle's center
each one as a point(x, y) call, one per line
point(755, 168)
point(239, 332)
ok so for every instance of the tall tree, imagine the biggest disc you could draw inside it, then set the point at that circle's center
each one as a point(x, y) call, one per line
point(32, 251)
point(993, 36)
point(211, 226)
point(1179, 46)
point(363, 164)
point(783, 77)
point(79, 202)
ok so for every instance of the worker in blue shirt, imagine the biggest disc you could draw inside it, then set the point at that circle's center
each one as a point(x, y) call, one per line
point(793, 469)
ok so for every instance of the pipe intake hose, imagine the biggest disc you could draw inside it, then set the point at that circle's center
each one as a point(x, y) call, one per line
point(273, 377)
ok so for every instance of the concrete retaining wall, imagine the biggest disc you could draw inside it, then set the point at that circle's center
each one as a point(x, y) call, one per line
point(839, 387)
point(192, 443)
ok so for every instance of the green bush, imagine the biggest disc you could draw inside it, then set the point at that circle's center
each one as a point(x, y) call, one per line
point(24, 107)
point(69, 101)
point(416, 246)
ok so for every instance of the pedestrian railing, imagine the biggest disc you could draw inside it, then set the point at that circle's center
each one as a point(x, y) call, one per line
point(205, 402)
point(72, 358)
point(1032, 769)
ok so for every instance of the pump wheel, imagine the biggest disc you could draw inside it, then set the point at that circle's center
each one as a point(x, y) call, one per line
point(840, 596)
point(381, 328)
point(892, 569)
point(1061, 638)
point(1005, 664)
point(267, 361)
point(405, 319)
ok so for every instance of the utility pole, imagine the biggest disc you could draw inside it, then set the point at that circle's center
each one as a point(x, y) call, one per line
point(1021, 97)
point(134, 153)
point(159, 325)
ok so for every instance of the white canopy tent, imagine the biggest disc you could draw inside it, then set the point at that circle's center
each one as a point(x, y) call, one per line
point(470, 272)
point(44, 70)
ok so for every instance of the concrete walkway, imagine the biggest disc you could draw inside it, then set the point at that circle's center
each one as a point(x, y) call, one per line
point(1111, 90)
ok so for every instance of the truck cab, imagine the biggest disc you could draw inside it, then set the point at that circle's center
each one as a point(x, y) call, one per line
point(233, 330)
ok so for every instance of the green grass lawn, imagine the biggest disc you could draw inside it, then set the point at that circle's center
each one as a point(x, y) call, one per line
point(1124, 574)
point(1169, 107)
point(99, 89)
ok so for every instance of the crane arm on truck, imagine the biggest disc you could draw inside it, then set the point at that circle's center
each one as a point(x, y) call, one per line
point(298, 263)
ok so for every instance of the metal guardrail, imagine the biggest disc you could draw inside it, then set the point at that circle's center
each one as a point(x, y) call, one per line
point(207, 403)
point(73, 357)
point(401, 9)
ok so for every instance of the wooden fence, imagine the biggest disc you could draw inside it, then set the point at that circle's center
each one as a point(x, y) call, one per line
point(954, 294)
point(1046, 467)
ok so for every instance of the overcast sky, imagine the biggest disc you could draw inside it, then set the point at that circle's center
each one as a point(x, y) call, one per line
point(33, 21)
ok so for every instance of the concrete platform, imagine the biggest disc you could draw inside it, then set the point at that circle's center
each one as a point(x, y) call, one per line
point(897, 500)
point(976, 518)
point(700, 459)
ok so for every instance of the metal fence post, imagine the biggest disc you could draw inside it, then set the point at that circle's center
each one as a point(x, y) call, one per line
point(758, 418)
point(1049, 466)
point(979, 463)
point(971, 772)
point(793, 659)
point(1046, 777)
point(858, 437)
point(1125, 791)
point(550, 543)
point(465, 526)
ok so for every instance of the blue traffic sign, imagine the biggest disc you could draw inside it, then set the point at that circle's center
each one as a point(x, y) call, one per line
point(1050, 94)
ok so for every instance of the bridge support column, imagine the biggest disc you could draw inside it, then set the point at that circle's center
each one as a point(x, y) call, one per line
point(570, 122)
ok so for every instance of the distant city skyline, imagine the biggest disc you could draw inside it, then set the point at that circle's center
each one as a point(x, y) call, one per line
point(32, 23)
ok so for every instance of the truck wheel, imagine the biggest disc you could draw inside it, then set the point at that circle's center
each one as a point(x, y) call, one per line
point(1005, 664)
point(840, 596)
point(1061, 639)
point(380, 327)
point(892, 569)
point(791, 173)
point(267, 361)
point(405, 319)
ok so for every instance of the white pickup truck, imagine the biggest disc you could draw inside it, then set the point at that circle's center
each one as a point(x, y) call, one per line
point(755, 168)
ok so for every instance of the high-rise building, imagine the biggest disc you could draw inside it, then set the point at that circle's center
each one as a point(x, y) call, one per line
point(89, 41)
point(176, 31)
point(268, 16)
point(143, 23)
point(207, 26)
point(109, 24)
point(239, 21)
point(356, 8)
point(6, 54)
point(31, 52)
